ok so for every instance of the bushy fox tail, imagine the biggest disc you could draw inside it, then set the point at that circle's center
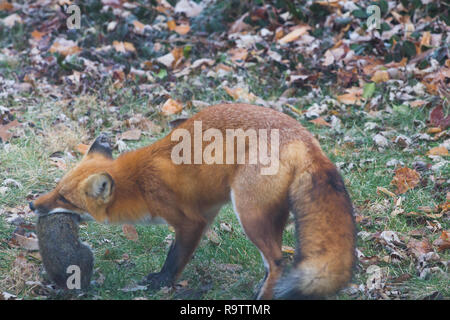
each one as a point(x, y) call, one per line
point(325, 230)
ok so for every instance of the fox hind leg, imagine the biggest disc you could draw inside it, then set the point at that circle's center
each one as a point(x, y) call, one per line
point(264, 227)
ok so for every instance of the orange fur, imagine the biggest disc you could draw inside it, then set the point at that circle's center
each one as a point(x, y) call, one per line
point(188, 196)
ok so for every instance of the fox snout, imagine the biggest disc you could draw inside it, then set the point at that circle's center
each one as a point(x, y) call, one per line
point(31, 205)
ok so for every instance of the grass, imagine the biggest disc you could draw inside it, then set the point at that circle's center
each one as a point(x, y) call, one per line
point(120, 262)
point(232, 267)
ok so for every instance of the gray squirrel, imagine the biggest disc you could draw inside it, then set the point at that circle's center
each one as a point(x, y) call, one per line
point(68, 262)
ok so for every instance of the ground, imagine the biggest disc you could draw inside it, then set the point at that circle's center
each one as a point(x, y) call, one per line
point(376, 97)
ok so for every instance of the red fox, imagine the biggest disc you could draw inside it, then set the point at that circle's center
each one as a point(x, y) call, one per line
point(146, 185)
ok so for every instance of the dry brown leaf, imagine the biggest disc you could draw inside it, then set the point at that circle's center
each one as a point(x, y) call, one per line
point(5, 6)
point(130, 232)
point(386, 191)
point(438, 151)
point(443, 242)
point(350, 98)
point(167, 60)
point(64, 47)
point(5, 135)
point(288, 249)
point(225, 226)
point(238, 55)
point(380, 76)
point(320, 122)
point(182, 29)
point(177, 54)
point(171, 59)
point(171, 106)
point(239, 25)
point(133, 134)
point(212, 236)
point(240, 93)
point(405, 179)
point(329, 3)
point(294, 34)
point(37, 35)
point(123, 47)
point(11, 20)
point(426, 39)
point(417, 103)
point(28, 243)
point(140, 122)
point(171, 25)
point(138, 26)
point(419, 247)
point(434, 130)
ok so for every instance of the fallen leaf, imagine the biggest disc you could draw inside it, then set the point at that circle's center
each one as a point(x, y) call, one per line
point(443, 242)
point(288, 249)
point(5, 6)
point(138, 26)
point(111, 26)
point(320, 122)
point(133, 134)
point(212, 236)
point(171, 106)
point(238, 55)
point(438, 151)
point(374, 278)
point(171, 25)
point(240, 93)
point(140, 122)
point(386, 191)
point(239, 25)
point(28, 243)
point(380, 76)
point(5, 135)
point(182, 29)
point(405, 179)
point(133, 288)
point(294, 34)
point(438, 118)
point(426, 39)
point(10, 20)
point(37, 35)
point(123, 47)
point(130, 232)
point(226, 227)
point(353, 96)
point(433, 130)
point(419, 247)
point(417, 103)
point(64, 47)
point(167, 59)
point(189, 8)
point(171, 59)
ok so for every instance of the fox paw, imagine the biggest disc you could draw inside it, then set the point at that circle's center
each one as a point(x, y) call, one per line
point(156, 280)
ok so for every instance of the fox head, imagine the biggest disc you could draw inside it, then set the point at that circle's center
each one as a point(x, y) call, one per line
point(86, 190)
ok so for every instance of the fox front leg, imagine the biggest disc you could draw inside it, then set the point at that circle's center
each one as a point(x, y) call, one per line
point(187, 238)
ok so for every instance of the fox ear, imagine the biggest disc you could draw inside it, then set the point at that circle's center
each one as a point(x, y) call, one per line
point(100, 186)
point(101, 145)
